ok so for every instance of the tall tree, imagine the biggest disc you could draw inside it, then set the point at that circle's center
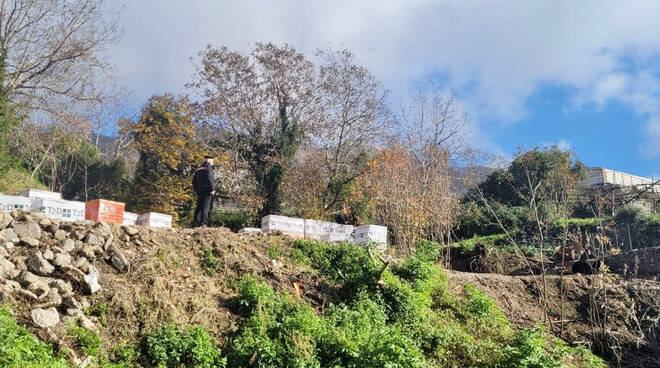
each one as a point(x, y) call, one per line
point(49, 50)
point(164, 136)
point(355, 119)
point(262, 104)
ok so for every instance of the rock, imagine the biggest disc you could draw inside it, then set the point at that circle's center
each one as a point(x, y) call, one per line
point(39, 265)
point(20, 263)
point(13, 284)
point(69, 245)
point(3, 251)
point(86, 322)
point(5, 220)
point(93, 239)
point(145, 236)
point(125, 238)
point(92, 280)
point(88, 252)
point(9, 246)
point(40, 288)
point(62, 259)
point(118, 261)
point(108, 243)
point(51, 299)
point(72, 302)
point(30, 296)
point(7, 265)
point(60, 235)
point(26, 278)
point(45, 318)
point(44, 223)
point(28, 230)
point(9, 235)
point(49, 255)
point(31, 242)
point(80, 262)
point(63, 287)
point(52, 228)
point(131, 231)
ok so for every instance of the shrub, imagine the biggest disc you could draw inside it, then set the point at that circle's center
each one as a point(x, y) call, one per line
point(232, 219)
point(210, 261)
point(19, 348)
point(87, 340)
point(173, 347)
point(345, 263)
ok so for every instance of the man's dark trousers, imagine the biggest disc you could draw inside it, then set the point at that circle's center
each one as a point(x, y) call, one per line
point(202, 209)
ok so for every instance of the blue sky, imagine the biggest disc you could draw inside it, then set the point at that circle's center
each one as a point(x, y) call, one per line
point(582, 74)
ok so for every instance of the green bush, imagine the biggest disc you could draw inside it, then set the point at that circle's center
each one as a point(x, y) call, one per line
point(19, 348)
point(210, 261)
point(173, 347)
point(345, 263)
point(232, 219)
point(87, 340)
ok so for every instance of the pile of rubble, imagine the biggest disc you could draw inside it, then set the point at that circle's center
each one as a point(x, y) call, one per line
point(54, 265)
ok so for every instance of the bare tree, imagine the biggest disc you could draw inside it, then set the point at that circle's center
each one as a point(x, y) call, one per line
point(261, 105)
point(49, 51)
point(433, 119)
point(355, 117)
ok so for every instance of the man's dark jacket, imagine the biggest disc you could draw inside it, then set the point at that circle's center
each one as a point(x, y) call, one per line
point(203, 179)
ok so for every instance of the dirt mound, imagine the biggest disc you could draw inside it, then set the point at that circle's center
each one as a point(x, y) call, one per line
point(618, 318)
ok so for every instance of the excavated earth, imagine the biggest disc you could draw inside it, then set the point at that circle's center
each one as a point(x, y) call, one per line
point(122, 281)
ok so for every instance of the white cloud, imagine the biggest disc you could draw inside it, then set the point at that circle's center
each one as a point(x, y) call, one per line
point(496, 54)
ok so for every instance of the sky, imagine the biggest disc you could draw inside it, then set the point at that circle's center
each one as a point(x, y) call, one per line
point(581, 74)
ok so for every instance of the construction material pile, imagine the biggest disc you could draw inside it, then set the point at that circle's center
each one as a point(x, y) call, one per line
point(52, 204)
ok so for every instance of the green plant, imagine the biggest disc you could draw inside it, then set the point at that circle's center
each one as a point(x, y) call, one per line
point(19, 348)
point(274, 252)
point(173, 347)
point(87, 340)
point(100, 311)
point(232, 219)
point(211, 263)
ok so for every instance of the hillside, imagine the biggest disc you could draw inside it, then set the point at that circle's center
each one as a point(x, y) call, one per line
point(114, 296)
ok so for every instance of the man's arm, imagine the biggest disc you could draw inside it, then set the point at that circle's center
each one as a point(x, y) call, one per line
point(211, 174)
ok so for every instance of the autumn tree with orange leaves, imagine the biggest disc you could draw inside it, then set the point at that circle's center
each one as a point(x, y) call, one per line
point(164, 137)
point(410, 196)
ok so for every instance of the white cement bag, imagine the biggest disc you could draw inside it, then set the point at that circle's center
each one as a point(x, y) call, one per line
point(130, 218)
point(155, 219)
point(327, 231)
point(371, 233)
point(293, 227)
point(59, 209)
point(9, 203)
point(41, 194)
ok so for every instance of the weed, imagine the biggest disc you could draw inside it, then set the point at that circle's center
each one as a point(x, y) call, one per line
point(211, 264)
point(171, 346)
point(19, 348)
point(274, 252)
point(87, 340)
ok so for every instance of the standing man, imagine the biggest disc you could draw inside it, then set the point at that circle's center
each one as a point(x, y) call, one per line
point(205, 189)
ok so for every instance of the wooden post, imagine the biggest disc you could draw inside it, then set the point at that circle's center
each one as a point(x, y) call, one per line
point(629, 238)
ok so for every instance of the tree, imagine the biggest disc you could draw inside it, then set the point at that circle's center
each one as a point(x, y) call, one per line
point(261, 106)
point(355, 118)
point(164, 136)
point(413, 200)
point(49, 50)
point(433, 119)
